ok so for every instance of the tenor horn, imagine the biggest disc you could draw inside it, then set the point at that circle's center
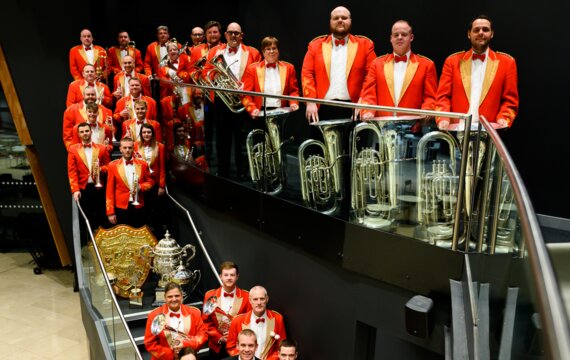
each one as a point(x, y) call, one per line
point(437, 190)
point(220, 76)
point(373, 185)
point(264, 153)
point(321, 171)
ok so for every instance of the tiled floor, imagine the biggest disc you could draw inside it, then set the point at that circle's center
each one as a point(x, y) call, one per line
point(40, 316)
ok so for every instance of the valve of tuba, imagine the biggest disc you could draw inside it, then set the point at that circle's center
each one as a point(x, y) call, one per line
point(220, 76)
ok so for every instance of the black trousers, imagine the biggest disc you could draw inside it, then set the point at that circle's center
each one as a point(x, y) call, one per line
point(230, 135)
point(131, 216)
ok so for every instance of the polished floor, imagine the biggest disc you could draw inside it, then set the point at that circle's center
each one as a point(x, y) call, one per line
point(40, 316)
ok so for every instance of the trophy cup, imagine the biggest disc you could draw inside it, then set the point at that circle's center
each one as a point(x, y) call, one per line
point(100, 280)
point(167, 255)
point(136, 293)
point(185, 279)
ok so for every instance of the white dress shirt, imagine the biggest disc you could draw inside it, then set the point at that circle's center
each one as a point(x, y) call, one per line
point(260, 330)
point(272, 86)
point(338, 88)
point(477, 76)
point(399, 74)
point(233, 60)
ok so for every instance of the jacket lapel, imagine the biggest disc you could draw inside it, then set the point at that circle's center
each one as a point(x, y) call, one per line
point(84, 54)
point(410, 72)
point(465, 70)
point(122, 173)
point(351, 54)
point(243, 61)
point(326, 48)
point(490, 72)
point(261, 76)
point(389, 75)
point(282, 76)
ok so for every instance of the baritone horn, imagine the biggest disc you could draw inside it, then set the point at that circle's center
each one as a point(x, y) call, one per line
point(264, 152)
point(321, 171)
point(437, 189)
point(373, 185)
point(220, 76)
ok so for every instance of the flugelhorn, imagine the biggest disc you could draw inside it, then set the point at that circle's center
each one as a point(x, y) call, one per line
point(321, 171)
point(97, 171)
point(373, 185)
point(437, 190)
point(220, 76)
point(264, 153)
point(211, 306)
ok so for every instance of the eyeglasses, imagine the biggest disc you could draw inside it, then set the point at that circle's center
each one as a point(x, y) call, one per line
point(234, 33)
point(197, 35)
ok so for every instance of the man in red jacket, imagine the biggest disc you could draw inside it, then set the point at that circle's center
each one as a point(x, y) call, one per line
point(479, 81)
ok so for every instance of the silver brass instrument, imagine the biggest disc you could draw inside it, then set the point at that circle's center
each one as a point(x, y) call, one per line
point(109, 122)
point(264, 152)
point(223, 78)
point(438, 192)
point(372, 197)
point(321, 172)
point(135, 193)
point(97, 173)
point(159, 324)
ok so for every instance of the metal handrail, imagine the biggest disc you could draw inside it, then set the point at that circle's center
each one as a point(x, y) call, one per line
point(552, 311)
point(328, 102)
point(197, 233)
point(107, 283)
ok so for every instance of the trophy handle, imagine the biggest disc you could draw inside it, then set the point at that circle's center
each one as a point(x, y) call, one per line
point(185, 251)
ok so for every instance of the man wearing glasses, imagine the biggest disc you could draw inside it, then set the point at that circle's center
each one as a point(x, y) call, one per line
point(229, 124)
point(197, 37)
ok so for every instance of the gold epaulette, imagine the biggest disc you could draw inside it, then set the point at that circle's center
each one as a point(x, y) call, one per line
point(425, 57)
point(455, 53)
point(364, 37)
point(285, 62)
point(318, 37)
point(194, 307)
point(380, 56)
point(504, 53)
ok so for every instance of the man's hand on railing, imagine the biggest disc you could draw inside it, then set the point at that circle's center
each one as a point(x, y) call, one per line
point(312, 112)
point(77, 195)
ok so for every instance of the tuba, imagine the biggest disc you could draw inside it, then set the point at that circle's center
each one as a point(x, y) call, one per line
point(264, 153)
point(437, 190)
point(373, 185)
point(220, 76)
point(321, 172)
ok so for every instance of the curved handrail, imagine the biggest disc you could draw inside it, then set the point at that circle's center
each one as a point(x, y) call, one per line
point(197, 233)
point(552, 311)
point(107, 283)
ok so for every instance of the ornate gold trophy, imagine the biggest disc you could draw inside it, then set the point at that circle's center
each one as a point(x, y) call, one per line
point(167, 257)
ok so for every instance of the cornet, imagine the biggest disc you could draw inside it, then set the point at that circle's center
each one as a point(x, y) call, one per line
point(135, 198)
point(97, 172)
point(109, 122)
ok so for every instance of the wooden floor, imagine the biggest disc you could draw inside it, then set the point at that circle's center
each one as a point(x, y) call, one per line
point(40, 315)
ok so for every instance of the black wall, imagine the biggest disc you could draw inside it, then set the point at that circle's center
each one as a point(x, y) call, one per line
point(36, 44)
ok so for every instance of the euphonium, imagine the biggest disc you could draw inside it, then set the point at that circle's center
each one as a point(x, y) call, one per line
point(196, 75)
point(321, 173)
point(220, 76)
point(437, 190)
point(373, 185)
point(264, 156)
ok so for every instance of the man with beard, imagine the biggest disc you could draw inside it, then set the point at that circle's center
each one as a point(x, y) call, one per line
point(116, 54)
point(335, 66)
point(479, 81)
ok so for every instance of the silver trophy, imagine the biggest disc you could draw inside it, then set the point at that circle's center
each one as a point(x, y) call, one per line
point(167, 257)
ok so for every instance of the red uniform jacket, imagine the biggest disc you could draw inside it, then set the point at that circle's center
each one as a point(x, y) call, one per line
point(418, 89)
point(315, 74)
point(119, 81)
point(160, 346)
point(240, 305)
point(156, 164)
point(76, 114)
point(196, 53)
point(128, 101)
point(103, 133)
point(116, 61)
point(500, 96)
point(77, 165)
point(254, 80)
point(240, 322)
point(118, 191)
point(75, 93)
point(130, 127)
point(151, 58)
point(78, 59)
point(179, 67)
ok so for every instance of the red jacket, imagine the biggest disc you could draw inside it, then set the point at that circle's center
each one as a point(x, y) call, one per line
point(151, 58)
point(240, 305)
point(119, 80)
point(254, 80)
point(418, 88)
point(116, 61)
point(118, 191)
point(78, 171)
point(76, 114)
point(103, 133)
point(78, 59)
point(156, 164)
point(130, 127)
point(75, 93)
point(500, 96)
point(274, 323)
point(315, 74)
point(160, 346)
point(128, 101)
